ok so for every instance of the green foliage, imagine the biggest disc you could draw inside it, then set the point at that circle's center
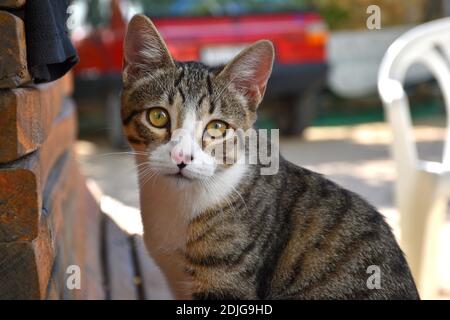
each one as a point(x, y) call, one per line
point(333, 12)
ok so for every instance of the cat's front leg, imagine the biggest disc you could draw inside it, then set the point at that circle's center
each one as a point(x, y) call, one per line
point(171, 264)
point(177, 279)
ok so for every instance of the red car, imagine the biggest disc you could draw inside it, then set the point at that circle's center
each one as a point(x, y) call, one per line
point(213, 32)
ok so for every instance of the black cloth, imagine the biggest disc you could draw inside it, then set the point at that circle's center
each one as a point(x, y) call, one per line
point(50, 52)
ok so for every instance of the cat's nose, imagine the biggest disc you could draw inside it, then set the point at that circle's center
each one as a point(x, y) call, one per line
point(180, 157)
point(181, 165)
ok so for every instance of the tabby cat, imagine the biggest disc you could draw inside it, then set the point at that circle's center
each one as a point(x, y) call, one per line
point(224, 231)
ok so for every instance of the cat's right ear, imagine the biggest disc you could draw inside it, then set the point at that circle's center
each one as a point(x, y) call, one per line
point(250, 70)
point(144, 50)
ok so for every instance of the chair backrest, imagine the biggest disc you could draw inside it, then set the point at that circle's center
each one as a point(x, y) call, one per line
point(427, 44)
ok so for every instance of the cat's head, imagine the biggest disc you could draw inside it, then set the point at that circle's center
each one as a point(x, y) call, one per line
point(174, 112)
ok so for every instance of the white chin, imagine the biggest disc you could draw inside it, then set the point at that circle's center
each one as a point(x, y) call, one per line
point(180, 178)
point(192, 175)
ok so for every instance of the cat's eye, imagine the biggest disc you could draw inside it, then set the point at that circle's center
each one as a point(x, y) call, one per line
point(216, 129)
point(158, 117)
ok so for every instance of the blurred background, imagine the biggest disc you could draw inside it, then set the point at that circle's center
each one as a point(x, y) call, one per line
point(322, 94)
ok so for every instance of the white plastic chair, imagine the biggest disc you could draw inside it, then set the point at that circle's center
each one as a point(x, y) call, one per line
point(423, 187)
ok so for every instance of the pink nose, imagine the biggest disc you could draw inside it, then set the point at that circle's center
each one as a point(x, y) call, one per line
point(179, 156)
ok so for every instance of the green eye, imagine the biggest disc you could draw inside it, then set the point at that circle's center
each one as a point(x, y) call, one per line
point(158, 117)
point(217, 128)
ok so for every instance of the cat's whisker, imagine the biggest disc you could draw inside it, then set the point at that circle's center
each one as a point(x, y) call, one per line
point(136, 168)
point(129, 153)
point(208, 187)
point(149, 175)
point(146, 163)
point(211, 187)
point(140, 165)
point(146, 173)
point(233, 189)
point(142, 169)
point(154, 180)
point(142, 172)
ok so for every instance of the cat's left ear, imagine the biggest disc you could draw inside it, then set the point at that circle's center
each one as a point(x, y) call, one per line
point(250, 70)
point(144, 50)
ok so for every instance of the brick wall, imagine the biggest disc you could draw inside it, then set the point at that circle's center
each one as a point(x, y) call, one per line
point(48, 219)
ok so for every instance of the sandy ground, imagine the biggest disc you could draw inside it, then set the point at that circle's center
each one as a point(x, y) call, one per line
point(356, 157)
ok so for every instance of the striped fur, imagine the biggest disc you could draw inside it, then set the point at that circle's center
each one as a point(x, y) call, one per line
point(237, 234)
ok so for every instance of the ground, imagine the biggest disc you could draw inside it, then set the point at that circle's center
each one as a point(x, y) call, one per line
point(357, 157)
